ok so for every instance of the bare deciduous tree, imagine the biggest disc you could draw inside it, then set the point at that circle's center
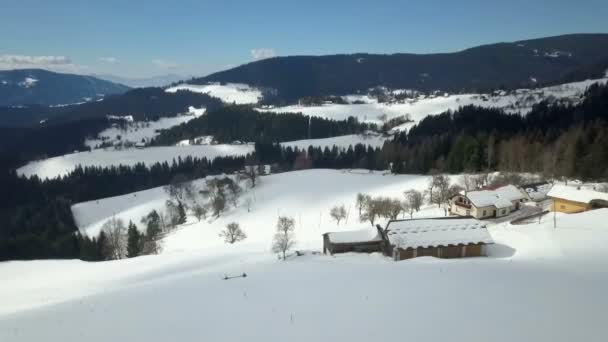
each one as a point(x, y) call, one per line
point(414, 199)
point(371, 210)
point(235, 191)
point(284, 238)
point(338, 213)
point(408, 208)
point(394, 208)
point(199, 211)
point(115, 230)
point(180, 188)
point(361, 200)
point(233, 233)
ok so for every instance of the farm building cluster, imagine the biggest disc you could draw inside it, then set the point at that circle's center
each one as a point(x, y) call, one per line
point(450, 237)
point(463, 233)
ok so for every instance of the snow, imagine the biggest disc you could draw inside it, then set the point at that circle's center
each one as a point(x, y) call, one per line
point(135, 132)
point(353, 236)
point(500, 198)
point(519, 101)
point(538, 283)
point(59, 166)
point(202, 140)
point(228, 93)
point(342, 142)
point(438, 232)
point(28, 82)
point(572, 193)
point(300, 200)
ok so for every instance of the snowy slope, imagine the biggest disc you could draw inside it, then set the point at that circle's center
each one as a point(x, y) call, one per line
point(539, 284)
point(135, 132)
point(342, 142)
point(228, 93)
point(57, 166)
point(520, 101)
point(304, 195)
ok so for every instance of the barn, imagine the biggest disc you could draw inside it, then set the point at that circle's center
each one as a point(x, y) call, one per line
point(437, 237)
point(569, 199)
point(364, 241)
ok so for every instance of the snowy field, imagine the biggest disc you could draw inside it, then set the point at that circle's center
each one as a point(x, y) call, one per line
point(228, 93)
point(58, 166)
point(304, 195)
point(137, 131)
point(538, 284)
point(520, 101)
point(342, 142)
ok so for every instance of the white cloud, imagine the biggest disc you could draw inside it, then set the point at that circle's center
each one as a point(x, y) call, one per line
point(110, 60)
point(163, 64)
point(53, 63)
point(262, 53)
point(18, 60)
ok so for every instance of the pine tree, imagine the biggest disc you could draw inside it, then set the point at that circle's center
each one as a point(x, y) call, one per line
point(134, 241)
point(181, 212)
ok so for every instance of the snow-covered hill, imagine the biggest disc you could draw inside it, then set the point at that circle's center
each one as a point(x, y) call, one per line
point(538, 284)
point(370, 110)
point(228, 93)
point(58, 166)
point(343, 142)
point(138, 131)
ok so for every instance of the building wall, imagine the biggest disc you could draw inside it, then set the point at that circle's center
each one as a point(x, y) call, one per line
point(444, 252)
point(569, 207)
point(479, 212)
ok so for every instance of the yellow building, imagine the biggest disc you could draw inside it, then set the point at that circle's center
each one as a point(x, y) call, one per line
point(569, 199)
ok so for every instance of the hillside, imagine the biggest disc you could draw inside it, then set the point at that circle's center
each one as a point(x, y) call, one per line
point(521, 288)
point(42, 87)
point(511, 65)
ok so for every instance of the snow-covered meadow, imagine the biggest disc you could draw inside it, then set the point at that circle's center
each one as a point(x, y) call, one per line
point(228, 93)
point(538, 284)
point(62, 165)
point(520, 101)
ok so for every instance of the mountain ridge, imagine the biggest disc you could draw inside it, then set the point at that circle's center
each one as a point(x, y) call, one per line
point(505, 65)
point(21, 87)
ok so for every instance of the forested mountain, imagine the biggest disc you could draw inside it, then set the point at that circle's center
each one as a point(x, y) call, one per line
point(524, 63)
point(42, 87)
point(65, 128)
point(141, 103)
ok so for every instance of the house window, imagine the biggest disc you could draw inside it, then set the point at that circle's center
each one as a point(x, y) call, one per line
point(502, 212)
point(562, 206)
point(484, 213)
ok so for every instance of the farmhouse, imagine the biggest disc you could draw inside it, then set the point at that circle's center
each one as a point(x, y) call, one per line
point(365, 240)
point(537, 192)
point(488, 203)
point(568, 199)
point(440, 237)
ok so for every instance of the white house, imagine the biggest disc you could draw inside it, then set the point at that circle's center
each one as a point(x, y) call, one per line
point(488, 203)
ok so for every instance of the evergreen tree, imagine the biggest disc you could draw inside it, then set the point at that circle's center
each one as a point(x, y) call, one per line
point(134, 241)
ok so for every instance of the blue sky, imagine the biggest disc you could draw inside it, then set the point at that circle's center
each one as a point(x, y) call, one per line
point(143, 38)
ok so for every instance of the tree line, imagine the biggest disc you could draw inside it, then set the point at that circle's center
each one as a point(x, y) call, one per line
point(244, 123)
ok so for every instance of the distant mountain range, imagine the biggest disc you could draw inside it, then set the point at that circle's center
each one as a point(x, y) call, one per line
point(42, 87)
point(526, 63)
point(141, 82)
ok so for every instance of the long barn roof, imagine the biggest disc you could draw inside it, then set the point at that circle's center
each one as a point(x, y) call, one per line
point(571, 193)
point(437, 232)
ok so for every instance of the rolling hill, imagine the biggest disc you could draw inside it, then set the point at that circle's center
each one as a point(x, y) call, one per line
point(42, 87)
point(526, 63)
